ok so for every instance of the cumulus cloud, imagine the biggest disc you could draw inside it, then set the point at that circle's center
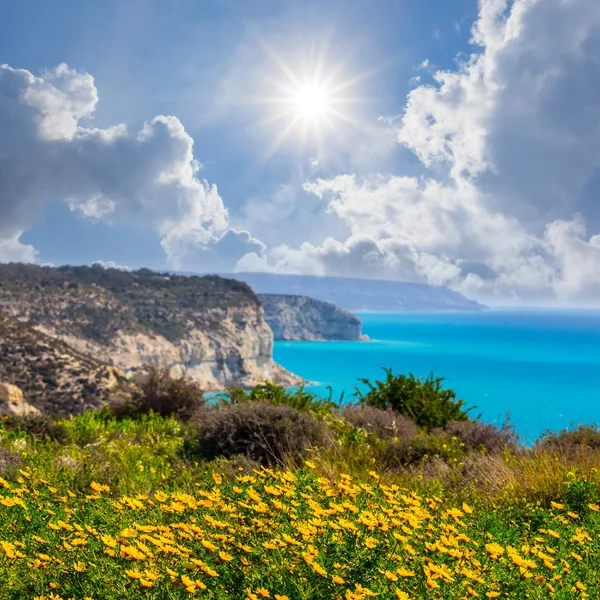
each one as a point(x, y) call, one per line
point(506, 205)
point(114, 174)
point(217, 255)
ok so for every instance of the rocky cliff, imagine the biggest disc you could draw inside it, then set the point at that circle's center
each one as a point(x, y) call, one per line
point(303, 318)
point(210, 328)
point(52, 376)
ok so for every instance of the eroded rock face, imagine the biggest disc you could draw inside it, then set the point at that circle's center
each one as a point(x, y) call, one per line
point(12, 401)
point(210, 328)
point(303, 318)
point(52, 376)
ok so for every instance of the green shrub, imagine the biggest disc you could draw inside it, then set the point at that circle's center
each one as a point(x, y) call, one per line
point(421, 399)
point(162, 394)
point(580, 494)
point(257, 430)
point(277, 395)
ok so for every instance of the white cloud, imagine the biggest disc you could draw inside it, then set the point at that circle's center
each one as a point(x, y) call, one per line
point(216, 255)
point(509, 144)
point(113, 174)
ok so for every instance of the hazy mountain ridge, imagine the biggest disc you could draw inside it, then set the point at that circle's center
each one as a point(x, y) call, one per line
point(360, 294)
point(210, 328)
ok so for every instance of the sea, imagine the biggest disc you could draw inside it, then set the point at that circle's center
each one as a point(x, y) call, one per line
point(539, 367)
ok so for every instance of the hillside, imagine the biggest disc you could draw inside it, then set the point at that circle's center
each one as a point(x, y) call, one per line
point(360, 294)
point(210, 328)
point(302, 318)
point(54, 377)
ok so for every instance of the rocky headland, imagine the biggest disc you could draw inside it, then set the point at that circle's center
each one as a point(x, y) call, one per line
point(209, 328)
point(301, 318)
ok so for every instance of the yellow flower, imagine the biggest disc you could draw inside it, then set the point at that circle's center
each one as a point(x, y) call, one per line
point(391, 576)
point(337, 579)
point(79, 567)
point(364, 591)
point(493, 594)
point(209, 545)
point(225, 556)
point(580, 586)
point(402, 595)
point(263, 592)
point(218, 479)
point(494, 550)
point(98, 487)
point(310, 464)
point(370, 543)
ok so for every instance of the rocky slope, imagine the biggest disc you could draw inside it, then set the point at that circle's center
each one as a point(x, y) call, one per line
point(52, 376)
point(209, 328)
point(303, 318)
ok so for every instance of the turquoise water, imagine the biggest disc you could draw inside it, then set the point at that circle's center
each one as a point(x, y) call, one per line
point(542, 366)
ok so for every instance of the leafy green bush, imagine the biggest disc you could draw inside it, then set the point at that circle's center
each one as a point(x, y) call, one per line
point(277, 395)
point(421, 399)
point(257, 430)
point(580, 494)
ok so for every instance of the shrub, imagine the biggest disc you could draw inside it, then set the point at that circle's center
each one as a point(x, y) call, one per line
point(37, 426)
point(421, 399)
point(162, 394)
point(583, 436)
point(277, 395)
point(9, 463)
point(477, 435)
point(399, 453)
point(384, 424)
point(257, 430)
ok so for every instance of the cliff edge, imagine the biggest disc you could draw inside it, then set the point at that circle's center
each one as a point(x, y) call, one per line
point(210, 328)
point(303, 318)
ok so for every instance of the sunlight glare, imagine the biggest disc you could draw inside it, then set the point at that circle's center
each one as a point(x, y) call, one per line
point(312, 101)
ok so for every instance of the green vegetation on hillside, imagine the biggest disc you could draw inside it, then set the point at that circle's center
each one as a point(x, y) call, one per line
point(279, 494)
point(95, 303)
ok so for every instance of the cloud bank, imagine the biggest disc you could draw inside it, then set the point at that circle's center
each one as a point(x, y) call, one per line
point(48, 151)
point(508, 202)
point(505, 205)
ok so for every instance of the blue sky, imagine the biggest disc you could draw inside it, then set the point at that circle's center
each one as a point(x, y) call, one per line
point(458, 155)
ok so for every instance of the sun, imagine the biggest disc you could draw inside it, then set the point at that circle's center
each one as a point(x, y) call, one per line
point(309, 101)
point(312, 101)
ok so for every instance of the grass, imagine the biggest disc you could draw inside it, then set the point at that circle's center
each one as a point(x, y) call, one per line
point(114, 508)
